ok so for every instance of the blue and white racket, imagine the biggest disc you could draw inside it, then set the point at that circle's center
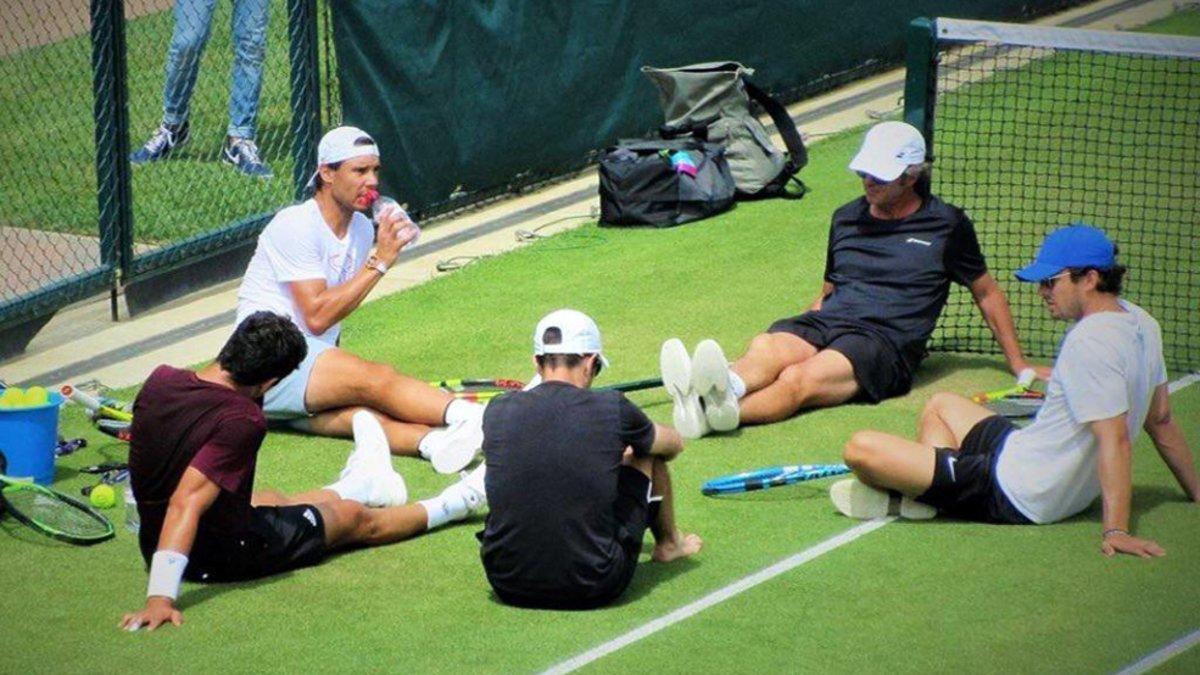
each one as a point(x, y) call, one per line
point(771, 476)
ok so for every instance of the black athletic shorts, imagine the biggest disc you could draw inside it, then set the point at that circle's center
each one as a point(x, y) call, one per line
point(634, 512)
point(280, 538)
point(879, 369)
point(964, 482)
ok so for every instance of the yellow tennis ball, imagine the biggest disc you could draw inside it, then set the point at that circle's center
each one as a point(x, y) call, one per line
point(13, 397)
point(35, 396)
point(103, 497)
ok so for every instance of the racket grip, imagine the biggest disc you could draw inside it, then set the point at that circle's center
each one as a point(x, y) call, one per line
point(86, 400)
point(1026, 378)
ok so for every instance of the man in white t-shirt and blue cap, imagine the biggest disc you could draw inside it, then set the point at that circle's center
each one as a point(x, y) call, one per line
point(574, 478)
point(314, 263)
point(892, 255)
point(1109, 380)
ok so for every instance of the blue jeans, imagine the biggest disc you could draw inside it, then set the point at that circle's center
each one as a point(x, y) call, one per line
point(193, 25)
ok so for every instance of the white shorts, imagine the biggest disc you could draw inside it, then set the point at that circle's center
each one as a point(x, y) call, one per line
point(285, 401)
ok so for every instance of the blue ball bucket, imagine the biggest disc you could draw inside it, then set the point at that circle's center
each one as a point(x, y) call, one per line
point(28, 437)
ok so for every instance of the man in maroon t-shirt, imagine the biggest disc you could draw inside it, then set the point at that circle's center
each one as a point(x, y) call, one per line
point(195, 441)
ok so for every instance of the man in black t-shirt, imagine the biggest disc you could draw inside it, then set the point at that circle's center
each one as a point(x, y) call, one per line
point(192, 456)
point(574, 477)
point(891, 256)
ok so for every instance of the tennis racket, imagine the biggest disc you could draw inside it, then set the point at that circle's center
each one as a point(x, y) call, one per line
point(1024, 382)
point(772, 476)
point(1018, 406)
point(54, 514)
point(479, 390)
point(635, 385)
point(97, 408)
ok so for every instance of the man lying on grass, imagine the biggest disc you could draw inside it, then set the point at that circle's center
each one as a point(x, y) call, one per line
point(314, 264)
point(195, 443)
point(891, 256)
point(1109, 380)
point(574, 477)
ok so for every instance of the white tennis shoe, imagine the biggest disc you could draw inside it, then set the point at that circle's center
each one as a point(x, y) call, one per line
point(676, 368)
point(858, 500)
point(468, 495)
point(453, 448)
point(710, 379)
point(368, 477)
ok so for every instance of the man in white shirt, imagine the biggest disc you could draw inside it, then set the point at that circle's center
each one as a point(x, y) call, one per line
point(314, 263)
point(1109, 379)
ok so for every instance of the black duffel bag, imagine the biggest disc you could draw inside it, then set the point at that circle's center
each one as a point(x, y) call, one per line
point(640, 185)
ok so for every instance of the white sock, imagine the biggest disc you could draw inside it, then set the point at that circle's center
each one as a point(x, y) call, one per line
point(737, 384)
point(444, 508)
point(459, 410)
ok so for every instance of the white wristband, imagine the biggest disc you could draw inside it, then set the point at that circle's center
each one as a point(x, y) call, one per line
point(166, 573)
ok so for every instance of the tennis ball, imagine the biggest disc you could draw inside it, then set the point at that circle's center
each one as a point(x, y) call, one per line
point(36, 396)
point(103, 497)
point(13, 397)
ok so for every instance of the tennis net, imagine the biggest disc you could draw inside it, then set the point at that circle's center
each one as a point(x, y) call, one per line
point(1035, 127)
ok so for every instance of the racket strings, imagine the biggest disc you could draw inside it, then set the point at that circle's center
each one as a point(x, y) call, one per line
point(53, 514)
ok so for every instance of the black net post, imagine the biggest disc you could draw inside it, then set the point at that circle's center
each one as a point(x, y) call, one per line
point(112, 134)
point(920, 81)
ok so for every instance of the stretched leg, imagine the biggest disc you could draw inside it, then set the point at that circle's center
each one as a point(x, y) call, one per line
point(767, 356)
point(403, 437)
point(669, 543)
point(825, 379)
point(348, 523)
point(339, 380)
point(947, 418)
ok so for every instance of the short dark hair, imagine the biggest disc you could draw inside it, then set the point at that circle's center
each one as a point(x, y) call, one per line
point(566, 361)
point(1110, 279)
point(265, 346)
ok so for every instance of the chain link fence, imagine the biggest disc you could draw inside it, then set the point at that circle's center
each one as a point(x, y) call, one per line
point(143, 134)
point(49, 222)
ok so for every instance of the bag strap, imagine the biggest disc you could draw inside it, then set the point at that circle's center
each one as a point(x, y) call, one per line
point(798, 155)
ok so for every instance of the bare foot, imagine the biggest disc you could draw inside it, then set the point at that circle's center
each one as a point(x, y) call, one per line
point(679, 546)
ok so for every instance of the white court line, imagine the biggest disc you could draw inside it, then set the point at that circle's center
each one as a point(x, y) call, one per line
point(723, 594)
point(1161, 656)
point(1183, 382)
point(718, 596)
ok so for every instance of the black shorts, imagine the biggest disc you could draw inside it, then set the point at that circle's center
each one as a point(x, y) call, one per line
point(879, 369)
point(964, 482)
point(280, 538)
point(634, 513)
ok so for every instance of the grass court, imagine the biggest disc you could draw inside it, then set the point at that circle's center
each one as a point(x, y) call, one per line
point(937, 595)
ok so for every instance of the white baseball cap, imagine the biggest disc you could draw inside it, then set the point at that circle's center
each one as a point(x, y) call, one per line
point(340, 144)
point(580, 335)
point(888, 149)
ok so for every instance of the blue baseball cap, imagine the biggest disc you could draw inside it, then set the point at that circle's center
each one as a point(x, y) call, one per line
point(1074, 246)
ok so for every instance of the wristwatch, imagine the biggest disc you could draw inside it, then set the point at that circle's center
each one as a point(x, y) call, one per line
point(376, 264)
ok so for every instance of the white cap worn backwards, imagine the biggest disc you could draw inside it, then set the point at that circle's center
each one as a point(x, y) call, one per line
point(580, 335)
point(888, 149)
point(343, 143)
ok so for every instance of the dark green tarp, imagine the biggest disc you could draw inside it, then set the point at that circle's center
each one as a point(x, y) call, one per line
point(467, 96)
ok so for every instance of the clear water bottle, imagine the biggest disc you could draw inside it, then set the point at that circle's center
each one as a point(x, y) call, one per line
point(133, 522)
point(384, 204)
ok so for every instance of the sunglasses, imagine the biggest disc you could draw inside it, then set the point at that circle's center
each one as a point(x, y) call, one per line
point(875, 179)
point(1048, 283)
